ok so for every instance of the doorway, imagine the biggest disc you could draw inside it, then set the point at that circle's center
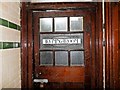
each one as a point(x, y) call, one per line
point(62, 49)
point(63, 45)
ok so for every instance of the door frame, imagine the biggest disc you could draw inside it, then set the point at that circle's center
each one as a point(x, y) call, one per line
point(112, 26)
point(27, 43)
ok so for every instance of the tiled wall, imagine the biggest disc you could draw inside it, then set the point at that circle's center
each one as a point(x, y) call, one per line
point(10, 73)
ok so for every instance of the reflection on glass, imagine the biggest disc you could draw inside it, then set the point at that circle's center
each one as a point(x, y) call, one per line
point(60, 24)
point(76, 23)
point(46, 24)
point(77, 58)
point(46, 58)
point(61, 58)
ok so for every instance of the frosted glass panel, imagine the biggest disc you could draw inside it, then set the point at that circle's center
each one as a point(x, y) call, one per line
point(61, 41)
point(46, 24)
point(76, 23)
point(46, 58)
point(77, 58)
point(61, 58)
point(60, 24)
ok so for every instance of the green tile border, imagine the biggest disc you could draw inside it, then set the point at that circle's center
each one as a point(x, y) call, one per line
point(18, 27)
point(4, 22)
point(9, 24)
point(1, 45)
point(8, 45)
point(12, 25)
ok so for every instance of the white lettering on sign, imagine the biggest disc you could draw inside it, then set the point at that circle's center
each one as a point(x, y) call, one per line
point(62, 41)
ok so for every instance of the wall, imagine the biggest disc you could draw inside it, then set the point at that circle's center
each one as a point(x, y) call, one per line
point(10, 73)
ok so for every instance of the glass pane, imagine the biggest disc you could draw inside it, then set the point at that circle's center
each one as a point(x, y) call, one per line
point(61, 41)
point(46, 24)
point(77, 58)
point(61, 58)
point(60, 24)
point(76, 23)
point(46, 58)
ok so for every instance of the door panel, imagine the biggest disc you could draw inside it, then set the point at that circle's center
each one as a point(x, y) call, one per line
point(62, 74)
point(64, 48)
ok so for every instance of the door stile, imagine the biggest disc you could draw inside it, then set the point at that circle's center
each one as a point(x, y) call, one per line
point(36, 39)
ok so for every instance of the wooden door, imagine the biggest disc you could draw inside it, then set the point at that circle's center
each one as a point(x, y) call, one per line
point(61, 45)
point(64, 48)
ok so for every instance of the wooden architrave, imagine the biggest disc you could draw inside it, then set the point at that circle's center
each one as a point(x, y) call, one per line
point(26, 40)
point(24, 71)
point(111, 64)
point(119, 42)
